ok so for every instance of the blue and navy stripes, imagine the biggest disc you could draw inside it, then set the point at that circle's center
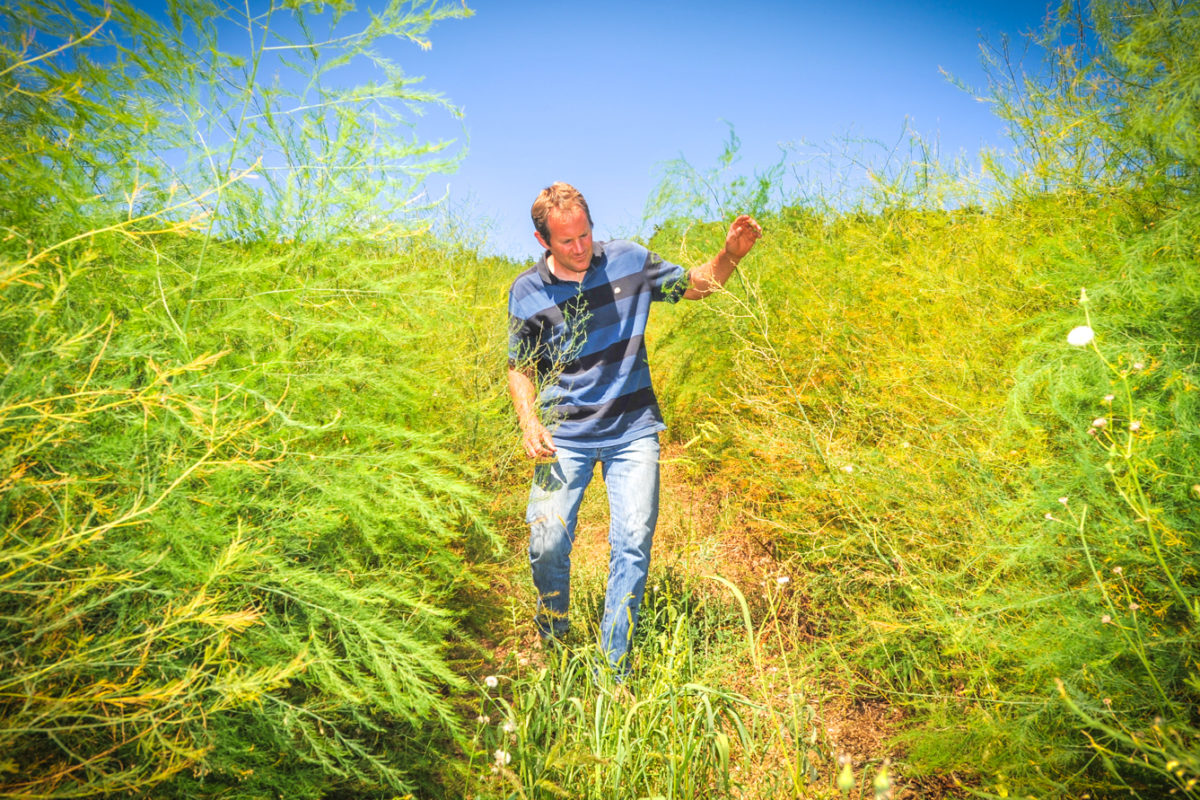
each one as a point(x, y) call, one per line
point(586, 343)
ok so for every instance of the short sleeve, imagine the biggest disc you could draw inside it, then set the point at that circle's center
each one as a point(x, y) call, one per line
point(522, 342)
point(667, 281)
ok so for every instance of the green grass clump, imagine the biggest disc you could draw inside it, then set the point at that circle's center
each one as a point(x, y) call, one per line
point(554, 723)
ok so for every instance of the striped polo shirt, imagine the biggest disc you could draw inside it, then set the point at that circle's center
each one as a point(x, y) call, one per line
point(586, 343)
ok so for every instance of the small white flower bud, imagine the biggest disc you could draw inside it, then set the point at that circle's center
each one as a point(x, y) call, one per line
point(1081, 336)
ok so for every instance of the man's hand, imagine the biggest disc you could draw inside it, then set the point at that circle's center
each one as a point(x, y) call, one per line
point(710, 277)
point(743, 233)
point(537, 440)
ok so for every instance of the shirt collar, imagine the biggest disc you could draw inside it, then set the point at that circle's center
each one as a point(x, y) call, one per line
point(543, 265)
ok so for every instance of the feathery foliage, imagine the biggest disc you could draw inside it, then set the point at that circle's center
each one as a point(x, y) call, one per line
point(889, 393)
point(232, 533)
point(252, 433)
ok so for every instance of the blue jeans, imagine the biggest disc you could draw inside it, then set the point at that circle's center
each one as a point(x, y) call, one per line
point(631, 477)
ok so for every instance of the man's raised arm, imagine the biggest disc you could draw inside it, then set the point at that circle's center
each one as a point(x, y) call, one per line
point(710, 277)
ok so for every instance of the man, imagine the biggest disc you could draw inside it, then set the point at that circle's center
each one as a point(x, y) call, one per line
point(580, 382)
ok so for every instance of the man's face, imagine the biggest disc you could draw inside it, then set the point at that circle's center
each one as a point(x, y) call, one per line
point(570, 239)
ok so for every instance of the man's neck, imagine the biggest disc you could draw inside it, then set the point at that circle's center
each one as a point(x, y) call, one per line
point(562, 273)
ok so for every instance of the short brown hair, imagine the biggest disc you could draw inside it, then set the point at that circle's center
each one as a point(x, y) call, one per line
point(556, 197)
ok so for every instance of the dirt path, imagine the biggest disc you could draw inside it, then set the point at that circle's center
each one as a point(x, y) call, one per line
point(700, 533)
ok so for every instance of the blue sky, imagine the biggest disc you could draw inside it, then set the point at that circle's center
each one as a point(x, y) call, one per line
point(602, 94)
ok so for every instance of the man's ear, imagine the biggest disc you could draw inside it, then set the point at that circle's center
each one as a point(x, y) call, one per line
point(537, 235)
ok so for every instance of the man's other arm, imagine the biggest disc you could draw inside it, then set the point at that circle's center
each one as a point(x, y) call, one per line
point(534, 437)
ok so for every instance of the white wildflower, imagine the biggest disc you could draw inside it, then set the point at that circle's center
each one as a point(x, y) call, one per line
point(491, 681)
point(1099, 422)
point(483, 719)
point(503, 757)
point(1049, 515)
point(509, 726)
point(1138, 365)
point(782, 580)
point(1117, 570)
point(1081, 336)
point(848, 468)
point(1105, 619)
point(1135, 425)
point(1134, 606)
point(1062, 500)
point(1108, 398)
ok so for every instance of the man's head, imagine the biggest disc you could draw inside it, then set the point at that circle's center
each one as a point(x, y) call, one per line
point(556, 198)
point(563, 225)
